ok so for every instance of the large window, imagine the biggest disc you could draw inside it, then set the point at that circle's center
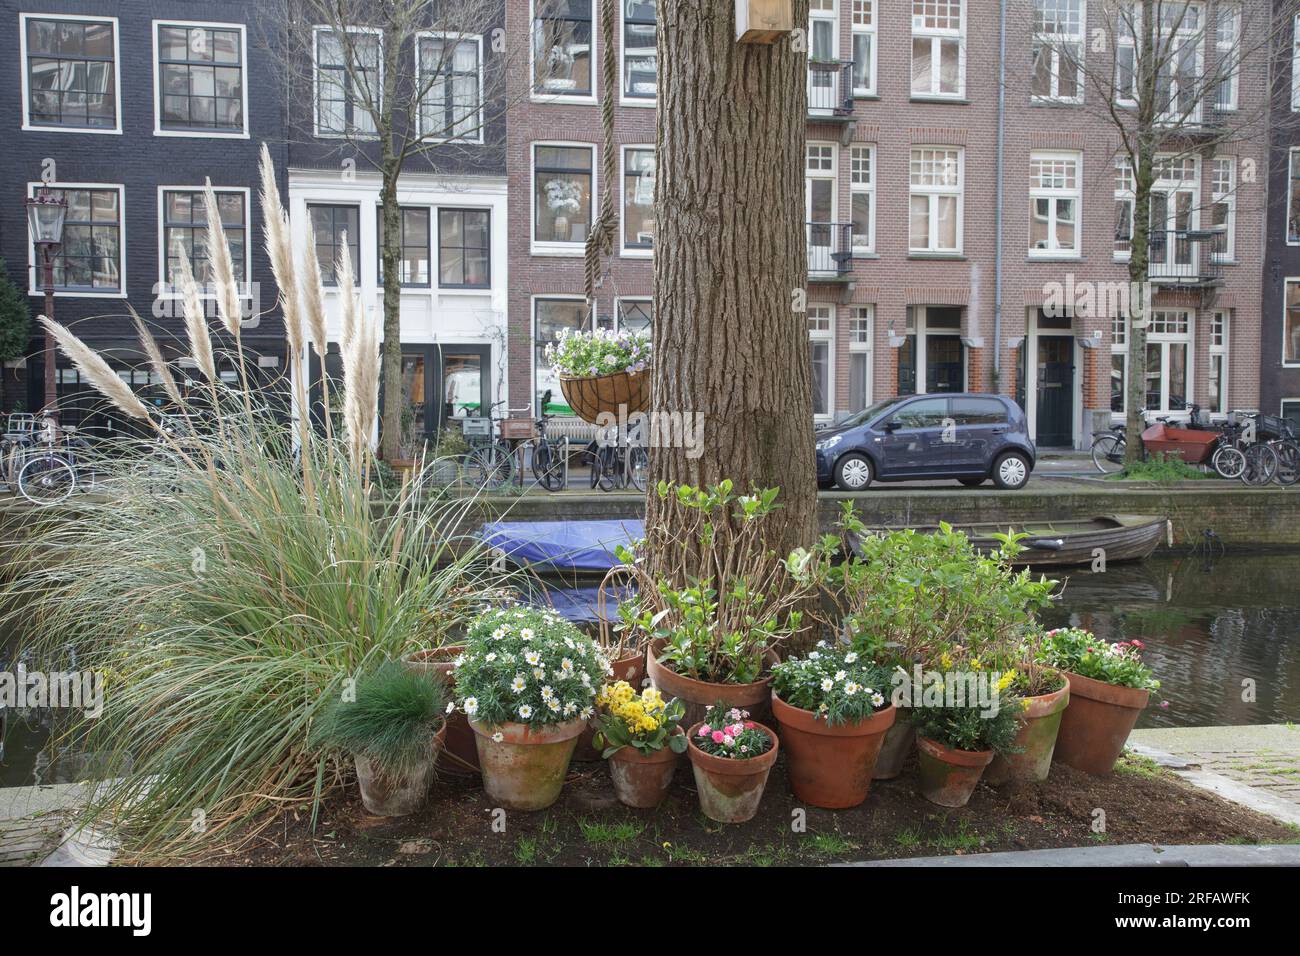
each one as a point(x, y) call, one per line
point(938, 48)
point(864, 47)
point(413, 265)
point(862, 184)
point(90, 258)
point(1223, 204)
point(1293, 200)
point(70, 73)
point(1169, 343)
point(1295, 64)
point(200, 78)
point(562, 47)
point(185, 228)
point(636, 315)
point(861, 339)
point(639, 52)
point(1054, 199)
point(638, 198)
point(562, 194)
point(1179, 82)
point(1123, 208)
point(348, 82)
point(821, 350)
point(550, 317)
point(464, 248)
point(1291, 324)
point(1058, 51)
point(936, 199)
point(333, 225)
point(1118, 364)
point(1227, 48)
point(451, 106)
point(1217, 387)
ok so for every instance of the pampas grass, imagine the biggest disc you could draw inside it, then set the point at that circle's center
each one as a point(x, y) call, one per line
point(97, 371)
point(196, 319)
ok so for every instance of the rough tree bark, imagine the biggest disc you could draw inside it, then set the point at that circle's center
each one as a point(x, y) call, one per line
point(730, 261)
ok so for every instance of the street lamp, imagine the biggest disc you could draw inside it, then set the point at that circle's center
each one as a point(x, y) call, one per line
point(45, 215)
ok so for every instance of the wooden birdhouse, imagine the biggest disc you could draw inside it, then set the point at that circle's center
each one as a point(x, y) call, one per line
point(763, 21)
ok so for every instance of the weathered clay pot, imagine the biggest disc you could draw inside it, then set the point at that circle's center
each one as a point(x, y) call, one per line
point(630, 669)
point(830, 766)
point(642, 781)
point(947, 776)
point(1035, 742)
point(1096, 725)
point(460, 757)
point(387, 797)
point(895, 749)
point(699, 696)
point(730, 790)
point(525, 770)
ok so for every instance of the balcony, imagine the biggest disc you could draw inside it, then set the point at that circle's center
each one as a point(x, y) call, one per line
point(830, 251)
point(1187, 257)
point(830, 91)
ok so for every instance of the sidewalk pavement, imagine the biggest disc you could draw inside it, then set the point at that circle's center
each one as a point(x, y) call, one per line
point(1134, 854)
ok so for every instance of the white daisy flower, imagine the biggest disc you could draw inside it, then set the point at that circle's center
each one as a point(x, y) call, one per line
point(828, 684)
point(533, 658)
point(539, 673)
point(490, 658)
point(548, 692)
point(840, 675)
point(518, 684)
point(587, 713)
point(566, 667)
point(526, 711)
point(498, 737)
point(851, 688)
point(877, 700)
point(554, 705)
point(451, 706)
point(471, 706)
point(851, 657)
point(570, 708)
point(527, 634)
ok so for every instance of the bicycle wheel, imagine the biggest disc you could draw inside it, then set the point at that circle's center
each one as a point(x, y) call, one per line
point(1229, 462)
point(1108, 454)
point(548, 467)
point(638, 467)
point(47, 480)
point(1261, 465)
point(611, 469)
point(490, 468)
point(592, 457)
point(1288, 463)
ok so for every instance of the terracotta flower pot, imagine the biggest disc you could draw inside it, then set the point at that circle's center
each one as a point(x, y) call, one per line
point(460, 758)
point(730, 790)
point(896, 748)
point(387, 797)
point(525, 770)
point(1035, 742)
point(642, 781)
point(830, 766)
point(1096, 725)
point(948, 776)
point(630, 669)
point(699, 696)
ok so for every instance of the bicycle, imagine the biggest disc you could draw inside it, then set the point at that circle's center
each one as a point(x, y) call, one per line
point(1108, 449)
point(1229, 459)
point(19, 438)
point(550, 457)
point(50, 476)
point(619, 460)
point(490, 465)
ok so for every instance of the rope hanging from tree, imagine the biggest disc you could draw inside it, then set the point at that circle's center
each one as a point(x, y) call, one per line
point(600, 241)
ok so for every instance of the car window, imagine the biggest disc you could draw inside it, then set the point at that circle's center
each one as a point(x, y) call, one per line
point(924, 413)
point(978, 411)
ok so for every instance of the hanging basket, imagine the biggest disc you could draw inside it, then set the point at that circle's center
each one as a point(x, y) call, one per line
point(589, 397)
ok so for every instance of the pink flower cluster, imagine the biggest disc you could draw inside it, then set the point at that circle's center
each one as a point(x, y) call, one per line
point(727, 734)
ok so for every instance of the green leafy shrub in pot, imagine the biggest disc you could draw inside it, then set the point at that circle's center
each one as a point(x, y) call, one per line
point(970, 728)
point(1082, 652)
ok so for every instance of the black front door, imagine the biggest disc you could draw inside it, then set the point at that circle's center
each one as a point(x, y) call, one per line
point(945, 369)
point(1055, 391)
point(441, 383)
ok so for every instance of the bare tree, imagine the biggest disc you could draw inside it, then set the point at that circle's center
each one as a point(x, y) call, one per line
point(395, 85)
point(1171, 79)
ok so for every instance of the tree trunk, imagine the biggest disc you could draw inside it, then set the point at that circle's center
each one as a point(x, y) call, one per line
point(730, 330)
point(1139, 309)
point(390, 429)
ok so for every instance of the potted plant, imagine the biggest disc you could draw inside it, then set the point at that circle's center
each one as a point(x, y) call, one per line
point(641, 736)
point(1109, 688)
point(443, 467)
point(832, 714)
point(527, 681)
point(393, 725)
point(957, 740)
point(602, 372)
point(731, 757)
point(1044, 694)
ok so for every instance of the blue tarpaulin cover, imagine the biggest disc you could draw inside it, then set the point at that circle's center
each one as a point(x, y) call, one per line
point(563, 545)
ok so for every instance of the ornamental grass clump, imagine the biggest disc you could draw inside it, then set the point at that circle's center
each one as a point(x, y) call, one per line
point(645, 722)
point(528, 666)
point(836, 683)
point(1082, 652)
point(580, 354)
point(729, 733)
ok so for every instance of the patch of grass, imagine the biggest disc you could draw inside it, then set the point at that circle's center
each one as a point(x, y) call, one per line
point(963, 840)
point(907, 839)
point(1138, 765)
point(1160, 468)
point(650, 861)
point(830, 844)
point(599, 834)
point(682, 854)
point(526, 851)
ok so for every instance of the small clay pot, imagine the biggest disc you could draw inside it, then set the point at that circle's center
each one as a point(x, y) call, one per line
point(830, 767)
point(896, 748)
point(525, 770)
point(699, 696)
point(386, 796)
point(1096, 725)
point(460, 758)
point(730, 790)
point(642, 780)
point(631, 669)
point(1035, 742)
point(947, 776)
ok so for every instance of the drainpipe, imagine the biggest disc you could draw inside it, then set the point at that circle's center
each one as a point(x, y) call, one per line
point(997, 220)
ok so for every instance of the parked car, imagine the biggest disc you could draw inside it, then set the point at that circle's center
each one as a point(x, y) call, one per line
point(965, 436)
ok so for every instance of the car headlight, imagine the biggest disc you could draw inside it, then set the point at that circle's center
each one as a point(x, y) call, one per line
point(826, 444)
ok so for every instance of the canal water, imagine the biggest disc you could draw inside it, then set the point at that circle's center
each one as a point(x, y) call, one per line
point(1223, 636)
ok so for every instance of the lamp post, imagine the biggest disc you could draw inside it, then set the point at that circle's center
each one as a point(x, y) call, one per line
point(45, 216)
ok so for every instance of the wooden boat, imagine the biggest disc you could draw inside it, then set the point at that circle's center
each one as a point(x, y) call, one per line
point(1070, 542)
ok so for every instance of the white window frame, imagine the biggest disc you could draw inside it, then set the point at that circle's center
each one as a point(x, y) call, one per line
point(1052, 194)
point(538, 96)
point(826, 335)
point(1164, 339)
point(593, 322)
point(650, 102)
point(316, 31)
point(157, 79)
point(1220, 345)
point(1286, 284)
point(871, 8)
point(1283, 403)
point(1181, 37)
point(1295, 65)
point(867, 188)
point(624, 250)
point(1227, 198)
point(618, 308)
point(477, 139)
point(34, 288)
point(1230, 48)
point(933, 192)
point(1119, 346)
point(857, 346)
point(28, 126)
point(245, 287)
point(937, 38)
point(1055, 41)
point(1293, 180)
point(561, 249)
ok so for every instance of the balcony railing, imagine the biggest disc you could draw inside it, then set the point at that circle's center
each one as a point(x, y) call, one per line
point(830, 89)
point(1186, 257)
point(830, 249)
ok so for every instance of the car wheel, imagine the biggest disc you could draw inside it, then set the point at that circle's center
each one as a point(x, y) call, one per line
point(972, 482)
point(1011, 472)
point(854, 472)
